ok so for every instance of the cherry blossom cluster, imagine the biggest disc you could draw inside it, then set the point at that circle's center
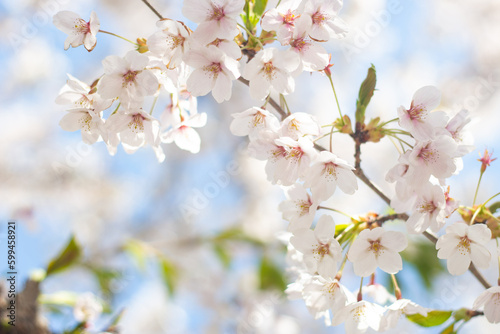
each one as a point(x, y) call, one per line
point(182, 64)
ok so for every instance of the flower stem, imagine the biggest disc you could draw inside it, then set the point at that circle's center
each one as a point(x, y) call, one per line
point(146, 2)
point(397, 290)
point(336, 99)
point(477, 188)
point(154, 104)
point(335, 210)
point(360, 293)
point(110, 33)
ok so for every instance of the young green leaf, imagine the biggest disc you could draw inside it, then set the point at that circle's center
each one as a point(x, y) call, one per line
point(365, 94)
point(259, 7)
point(434, 318)
point(223, 255)
point(169, 273)
point(271, 277)
point(69, 255)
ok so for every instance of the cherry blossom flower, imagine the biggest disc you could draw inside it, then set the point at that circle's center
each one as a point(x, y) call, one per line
point(88, 121)
point(183, 134)
point(327, 173)
point(282, 20)
point(490, 299)
point(419, 120)
point(228, 46)
point(435, 157)
point(79, 31)
point(136, 128)
point(271, 69)
point(214, 71)
point(298, 155)
point(462, 244)
point(170, 43)
point(377, 293)
point(324, 18)
point(251, 121)
point(377, 248)
point(322, 295)
point(321, 250)
point(429, 210)
point(456, 127)
point(299, 209)
point(299, 124)
point(399, 308)
point(287, 159)
point(87, 308)
point(216, 18)
point(359, 316)
point(486, 160)
point(127, 78)
point(313, 56)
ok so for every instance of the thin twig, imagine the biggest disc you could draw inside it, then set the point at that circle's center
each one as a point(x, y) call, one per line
point(153, 9)
point(272, 102)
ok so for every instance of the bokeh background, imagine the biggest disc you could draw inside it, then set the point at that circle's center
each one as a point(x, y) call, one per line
point(54, 186)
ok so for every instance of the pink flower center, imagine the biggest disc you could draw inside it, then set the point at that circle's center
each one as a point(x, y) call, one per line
point(427, 207)
point(136, 124)
point(217, 13)
point(213, 70)
point(330, 170)
point(81, 27)
point(277, 153)
point(258, 119)
point(289, 18)
point(304, 207)
point(300, 44)
point(86, 122)
point(295, 154)
point(464, 245)
point(322, 250)
point(376, 247)
point(417, 113)
point(175, 41)
point(331, 289)
point(318, 18)
point(358, 313)
point(428, 154)
point(129, 77)
point(269, 70)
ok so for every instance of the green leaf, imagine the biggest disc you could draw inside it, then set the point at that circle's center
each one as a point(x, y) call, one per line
point(138, 252)
point(66, 258)
point(449, 330)
point(236, 234)
point(222, 254)
point(494, 207)
point(339, 228)
point(259, 7)
point(365, 94)
point(271, 276)
point(105, 277)
point(169, 274)
point(434, 318)
point(60, 298)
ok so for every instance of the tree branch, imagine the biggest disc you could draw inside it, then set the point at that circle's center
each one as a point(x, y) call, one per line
point(361, 175)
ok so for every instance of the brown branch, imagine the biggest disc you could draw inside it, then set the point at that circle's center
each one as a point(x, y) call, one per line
point(272, 102)
point(153, 9)
point(361, 175)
